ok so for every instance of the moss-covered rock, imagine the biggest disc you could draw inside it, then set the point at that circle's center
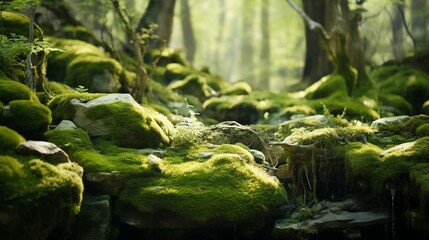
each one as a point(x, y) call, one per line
point(327, 86)
point(18, 23)
point(175, 72)
point(393, 105)
point(222, 190)
point(29, 118)
point(238, 88)
point(84, 64)
point(13, 90)
point(408, 82)
point(37, 197)
point(361, 162)
point(195, 85)
point(61, 107)
point(9, 139)
point(117, 117)
point(423, 130)
point(97, 73)
point(164, 57)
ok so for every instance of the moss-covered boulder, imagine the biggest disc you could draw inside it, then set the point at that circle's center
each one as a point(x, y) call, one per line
point(29, 118)
point(220, 188)
point(9, 139)
point(195, 85)
point(327, 86)
point(175, 72)
point(408, 82)
point(116, 117)
point(13, 90)
point(37, 198)
point(83, 64)
point(238, 88)
point(425, 108)
point(18, 23)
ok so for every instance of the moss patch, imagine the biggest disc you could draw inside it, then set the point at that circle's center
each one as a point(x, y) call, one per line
point(18, 23)
point(26, 184)
point(61, 107)
point(223, 189)
point(133, 126)
point(406, 81)
point(13, 90)
point(29, 118)
point(100, 156)
point(327, 86)
point(9, 139)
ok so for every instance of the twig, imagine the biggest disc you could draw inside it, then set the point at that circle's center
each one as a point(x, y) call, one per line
point(313, 25)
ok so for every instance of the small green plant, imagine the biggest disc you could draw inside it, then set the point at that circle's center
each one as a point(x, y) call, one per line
point(81, 89)
point(190, 130)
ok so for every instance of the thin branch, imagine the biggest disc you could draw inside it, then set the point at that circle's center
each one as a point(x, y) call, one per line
point(313, 25)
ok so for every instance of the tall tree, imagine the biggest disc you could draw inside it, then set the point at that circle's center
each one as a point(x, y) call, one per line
point(161, 13)
point(188, 32)
point(317, 63)
point(220, 36)
point(339, 36)
point(264, 75)
point(247, 51)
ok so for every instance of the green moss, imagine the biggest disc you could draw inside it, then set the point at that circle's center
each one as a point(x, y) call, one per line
point(406, 128)
point(18, 23)
point(29, 118)
point(423, 130)
point(222, 189)
point(77, 32)
point(165, 57)
point(327, 86)
point(420, 175)
point(13, 90)
point(408, 82)
point(175, 71)
point(238, 88)
point(194, 85)
point(56, 88)
point(394, 104)
point(133, 126)
point(337, 103)
point(413, 152)
point(97, 73)
point(425, 108)
point(361, 161)
point(61, 107)
point(100, 156)
point(9, 139)
point(31, 183)
point(58, 61)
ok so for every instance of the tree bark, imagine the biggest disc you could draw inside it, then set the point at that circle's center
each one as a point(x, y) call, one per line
point(265, 63)
point(317, 63)
point(188, 32)
point(160, 13)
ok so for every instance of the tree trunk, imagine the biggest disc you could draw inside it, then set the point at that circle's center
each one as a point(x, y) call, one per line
point(265, 64)
point(317, 63)
point(160, 13)
point(188, 32)
point(339, 36)
point(247, 39)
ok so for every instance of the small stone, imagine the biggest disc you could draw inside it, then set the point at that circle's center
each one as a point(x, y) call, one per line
point(46, 150)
